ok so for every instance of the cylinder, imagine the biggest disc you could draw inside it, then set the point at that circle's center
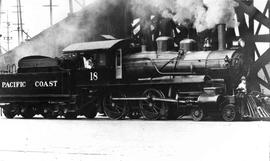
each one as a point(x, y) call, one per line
point(221, 37)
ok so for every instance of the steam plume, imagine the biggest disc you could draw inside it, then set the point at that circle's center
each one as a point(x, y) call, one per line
point(94, 20)
point(202, 14)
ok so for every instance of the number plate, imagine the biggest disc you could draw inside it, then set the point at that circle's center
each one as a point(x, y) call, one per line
point(93, 76)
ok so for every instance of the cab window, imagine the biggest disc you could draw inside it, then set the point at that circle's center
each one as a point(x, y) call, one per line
point(102, 59)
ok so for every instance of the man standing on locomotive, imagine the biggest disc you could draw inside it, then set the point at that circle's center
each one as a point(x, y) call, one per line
point(168, 27)
point(146, 33)
point(241, 96)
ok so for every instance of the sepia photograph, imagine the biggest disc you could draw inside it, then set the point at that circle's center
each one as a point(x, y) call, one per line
point(134, 80)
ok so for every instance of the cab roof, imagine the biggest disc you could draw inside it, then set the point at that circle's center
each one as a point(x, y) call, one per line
point(95, 45)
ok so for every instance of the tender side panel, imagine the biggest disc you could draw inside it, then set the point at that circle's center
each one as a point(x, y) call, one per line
point(34, 85)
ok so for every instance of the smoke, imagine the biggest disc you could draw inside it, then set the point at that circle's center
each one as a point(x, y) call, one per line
point(201, 14)
point(142, 8)
point(107, 17)
point(85, 25)
point(189, 12)
point(218, 11)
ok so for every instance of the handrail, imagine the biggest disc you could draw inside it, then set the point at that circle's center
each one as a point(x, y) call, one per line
point(168, 73)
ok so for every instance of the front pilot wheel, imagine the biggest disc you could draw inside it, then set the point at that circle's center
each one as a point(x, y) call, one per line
point(230, 113)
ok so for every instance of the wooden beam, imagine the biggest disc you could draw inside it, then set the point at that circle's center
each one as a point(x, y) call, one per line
point(262, 61)
point(264, 12)
point(254, 13)
point(262, 82)
point(243, 28)
point(261, 38)
point(263, 68)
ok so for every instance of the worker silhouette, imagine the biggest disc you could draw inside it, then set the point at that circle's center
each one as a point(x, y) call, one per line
point(241, 96)
point(146, 33)
point(166, 26)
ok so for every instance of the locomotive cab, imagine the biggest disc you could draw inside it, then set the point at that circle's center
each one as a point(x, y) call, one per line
point(95, 62)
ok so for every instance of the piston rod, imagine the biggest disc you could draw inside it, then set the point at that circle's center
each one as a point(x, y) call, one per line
point(130, 99)
point(153, 99)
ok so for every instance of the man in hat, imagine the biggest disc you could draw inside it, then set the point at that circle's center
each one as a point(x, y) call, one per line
point(242, 87)
point(241, 95)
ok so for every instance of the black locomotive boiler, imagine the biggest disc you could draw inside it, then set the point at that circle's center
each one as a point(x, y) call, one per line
point(124, 81)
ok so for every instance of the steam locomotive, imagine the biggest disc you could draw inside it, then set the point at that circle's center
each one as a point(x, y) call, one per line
point(125, 80)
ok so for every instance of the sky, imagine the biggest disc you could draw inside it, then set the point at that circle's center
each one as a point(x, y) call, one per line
point(35, 16)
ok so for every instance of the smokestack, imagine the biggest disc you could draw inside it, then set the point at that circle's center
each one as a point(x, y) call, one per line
point(221, 37)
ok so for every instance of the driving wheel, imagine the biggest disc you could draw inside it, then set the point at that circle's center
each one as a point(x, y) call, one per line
point(9, 114)
point(115, 110)
point(230, 113)
point(90, 112)
point(197, 114)
point(28, 112)
point(48, 113)
point(151, 109)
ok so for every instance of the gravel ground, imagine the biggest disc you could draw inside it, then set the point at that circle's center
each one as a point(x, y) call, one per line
point(128, 140)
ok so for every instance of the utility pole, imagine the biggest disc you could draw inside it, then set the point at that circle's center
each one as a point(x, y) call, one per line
point(51, 17)
point(19, 23)
point(0, 25)
point(1, 47)
point(51, 11)
point(70, 7)
point(8, 38)
point(20, 18)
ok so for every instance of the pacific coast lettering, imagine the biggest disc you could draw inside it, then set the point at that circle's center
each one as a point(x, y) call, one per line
point(13, 84)
point(46, 83)
point(22, 84)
